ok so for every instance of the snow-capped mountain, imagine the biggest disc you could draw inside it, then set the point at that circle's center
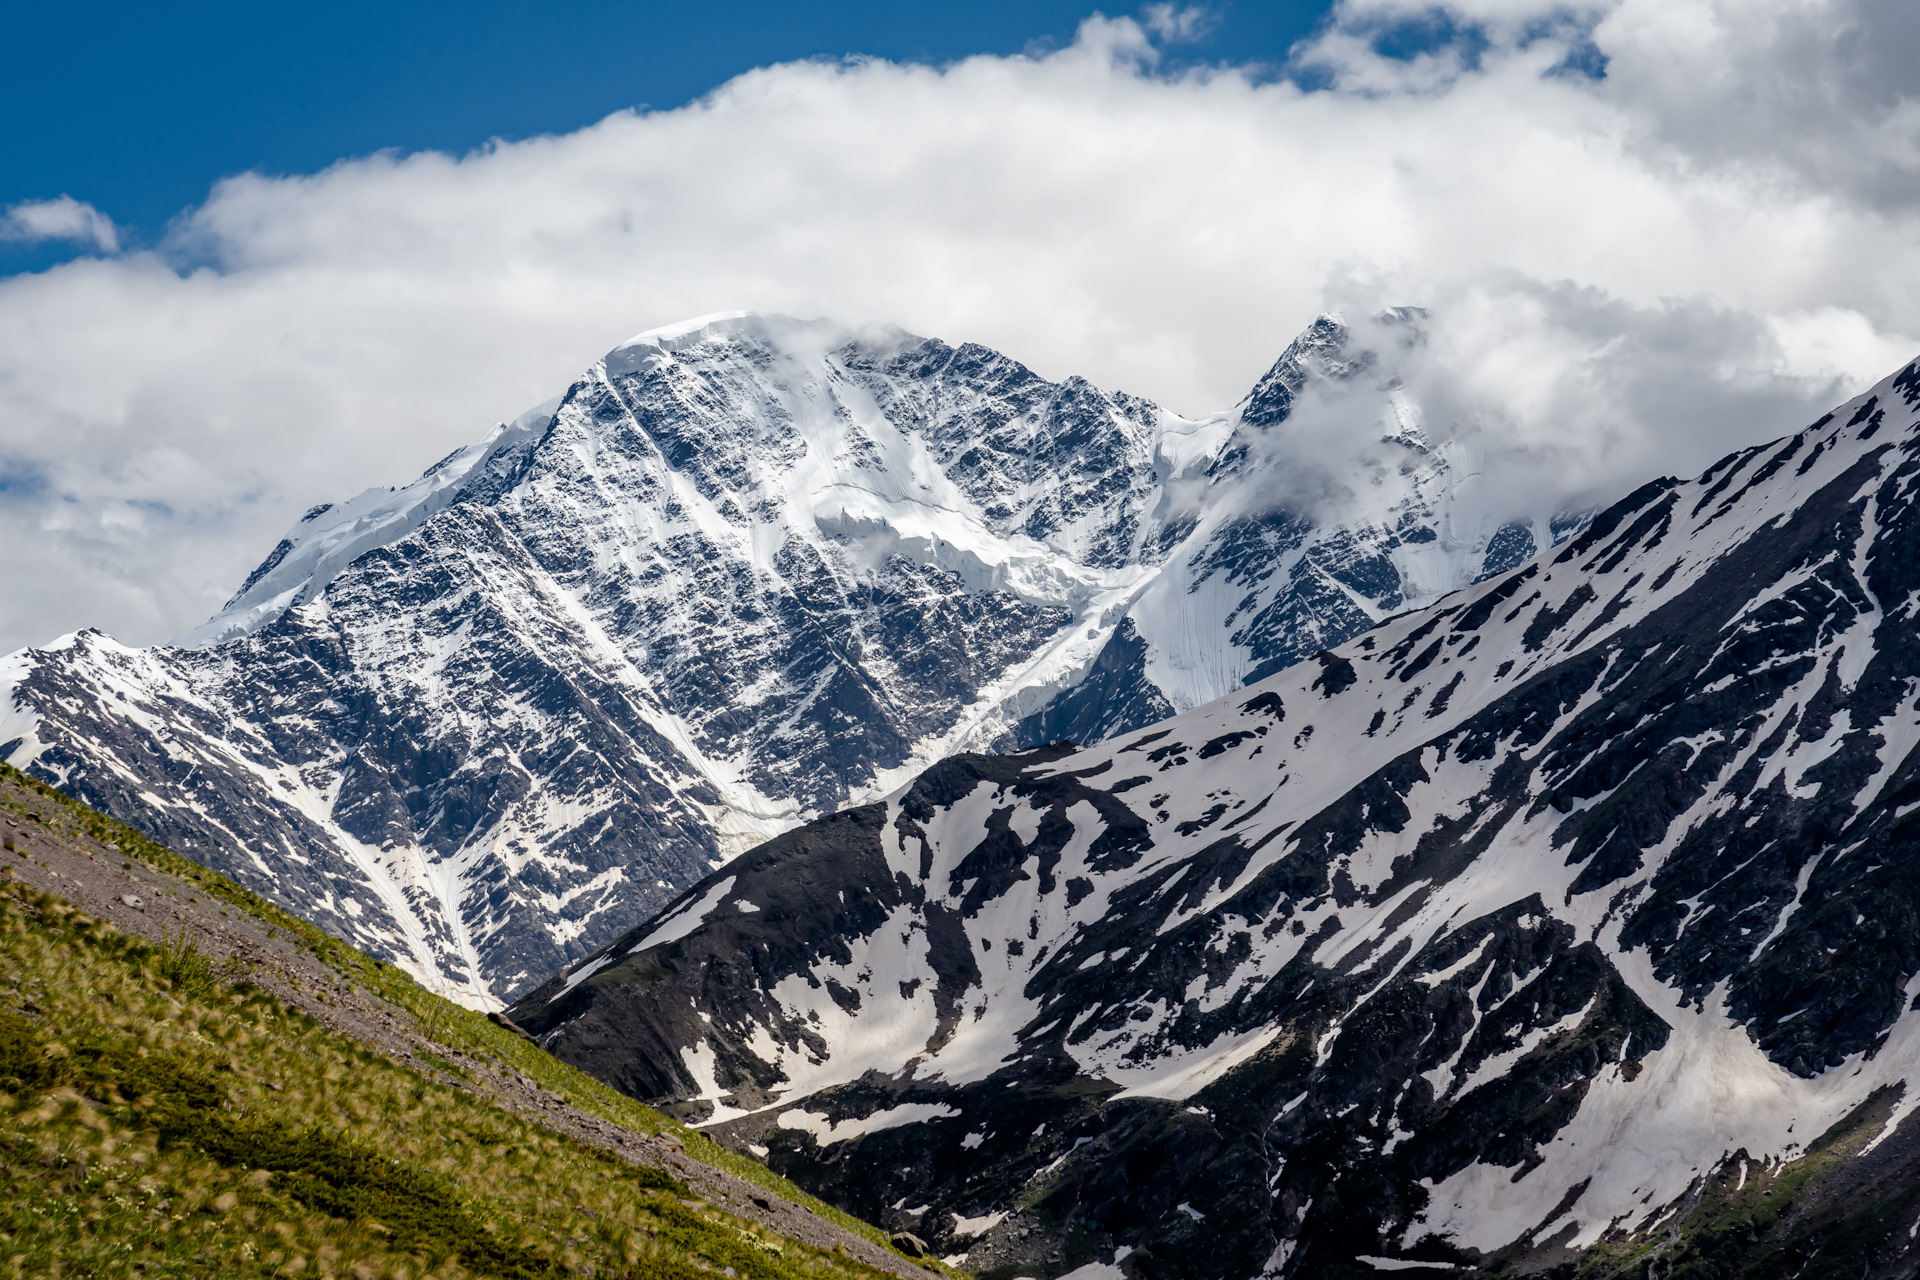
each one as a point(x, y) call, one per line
point(1569, 920)
point(744, 571)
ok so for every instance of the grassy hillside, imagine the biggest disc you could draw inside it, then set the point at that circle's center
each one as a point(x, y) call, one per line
point(164, 1115)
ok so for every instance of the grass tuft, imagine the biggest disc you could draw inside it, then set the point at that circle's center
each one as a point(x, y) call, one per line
point(190, 972)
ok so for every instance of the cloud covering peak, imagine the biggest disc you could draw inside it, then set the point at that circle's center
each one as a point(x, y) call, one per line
point(1646, 231)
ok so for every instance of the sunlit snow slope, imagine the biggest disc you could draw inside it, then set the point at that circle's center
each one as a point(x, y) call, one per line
point(743, 571)
point(1575, 912)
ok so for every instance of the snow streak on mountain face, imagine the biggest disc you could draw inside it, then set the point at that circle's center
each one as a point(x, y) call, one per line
point(744, 571)
point(1574, 912)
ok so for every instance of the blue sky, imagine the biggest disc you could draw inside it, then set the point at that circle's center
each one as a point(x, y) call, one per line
point(137, 109)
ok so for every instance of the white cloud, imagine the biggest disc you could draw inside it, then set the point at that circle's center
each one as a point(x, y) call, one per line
point(61, 219)
point(1174, 23)
point(1629, 275)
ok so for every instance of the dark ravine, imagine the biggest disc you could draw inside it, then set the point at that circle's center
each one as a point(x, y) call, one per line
point(744, 571)
point(1565, 926)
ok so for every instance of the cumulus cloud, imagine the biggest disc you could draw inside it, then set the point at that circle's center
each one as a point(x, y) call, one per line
point(63, 219)
point(1647, 230)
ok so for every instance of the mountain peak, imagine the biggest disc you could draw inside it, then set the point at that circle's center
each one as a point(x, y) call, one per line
point(746, 569)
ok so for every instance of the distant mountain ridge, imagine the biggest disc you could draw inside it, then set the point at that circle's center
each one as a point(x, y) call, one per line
point(1569, 925)
point(743, 571)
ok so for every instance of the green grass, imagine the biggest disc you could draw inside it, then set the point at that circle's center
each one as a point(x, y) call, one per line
point(156, 1126)
point(172, 966)
point(182, 966)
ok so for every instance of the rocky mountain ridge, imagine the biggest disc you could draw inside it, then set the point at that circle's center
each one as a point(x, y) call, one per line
point(744, 571)
point(1564, 925)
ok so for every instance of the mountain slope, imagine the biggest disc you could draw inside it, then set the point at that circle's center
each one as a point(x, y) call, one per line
point(744, 571)
point(1563, 922)
point(199, 1085)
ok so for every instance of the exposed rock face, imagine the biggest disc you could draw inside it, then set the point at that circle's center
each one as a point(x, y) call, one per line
point(1575, 912)
point(744, 571)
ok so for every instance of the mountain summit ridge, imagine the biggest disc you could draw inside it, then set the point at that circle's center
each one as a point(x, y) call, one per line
point(745, 570)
